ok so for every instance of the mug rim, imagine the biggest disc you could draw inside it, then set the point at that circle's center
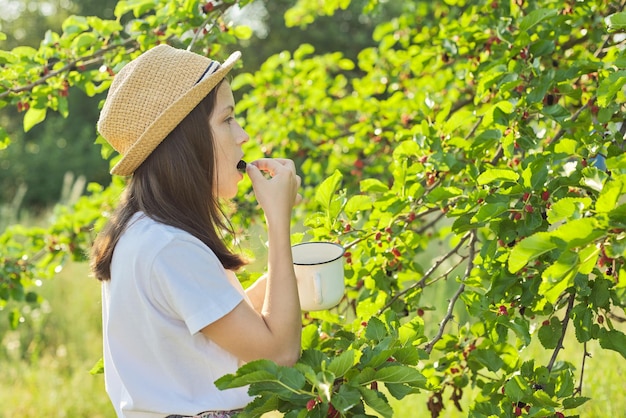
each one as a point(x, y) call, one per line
point(343, 251)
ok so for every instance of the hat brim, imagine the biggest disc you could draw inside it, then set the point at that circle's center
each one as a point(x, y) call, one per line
point(169, 119)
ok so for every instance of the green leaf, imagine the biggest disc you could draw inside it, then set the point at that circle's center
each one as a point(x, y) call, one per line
point(497, 174)
point(489, 211)
point(373, 185)
point(601, 294)
point(376, 401)
point(535, 17)
point(613, 340)
point(399, 390)
point(84, 40)
point(550, 334)
point(375, 329)
point(252, 372)
point(575, 402)
point(610, 86)
point(98, 368)
point(517, 389)
point(342, 363)
point(346, 398)
point(568, 208)
point(616, 22)
point(326, 195)
point(399, 374)
point(75, 24)
point(541, 398)
point(441, 193)
point(260, 405)
point(33, 116)
point(559, 276)
point(530, 248)
point(579, 232)
point(488, 358)
point(582, 319)
point(357, 204)
point(609, 196)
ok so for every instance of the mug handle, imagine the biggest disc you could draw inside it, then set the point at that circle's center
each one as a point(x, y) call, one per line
point(317, 285)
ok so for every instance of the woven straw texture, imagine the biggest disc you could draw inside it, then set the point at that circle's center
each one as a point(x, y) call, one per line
point(150, 96)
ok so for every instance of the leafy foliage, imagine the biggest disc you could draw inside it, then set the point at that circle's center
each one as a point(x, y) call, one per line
point(477, 148)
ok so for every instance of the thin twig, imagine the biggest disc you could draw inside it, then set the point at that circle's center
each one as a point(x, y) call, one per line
point(91, 59)
point(473, 130)
point(615, 317)
point(579, 389)
point(565, 323)
point(430, 271)
point(446, 273)
point(199, 30)
point(459, 292)
point(426, 226)
point(365, 237)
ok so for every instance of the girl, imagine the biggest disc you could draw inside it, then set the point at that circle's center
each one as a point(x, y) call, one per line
point(175, 317)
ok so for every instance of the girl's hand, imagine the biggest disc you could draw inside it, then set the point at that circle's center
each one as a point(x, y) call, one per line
point(279, 193)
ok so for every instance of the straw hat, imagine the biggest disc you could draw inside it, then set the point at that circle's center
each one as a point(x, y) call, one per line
point(151, 95)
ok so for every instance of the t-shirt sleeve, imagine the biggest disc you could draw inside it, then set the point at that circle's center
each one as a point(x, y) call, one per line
point(189, 281)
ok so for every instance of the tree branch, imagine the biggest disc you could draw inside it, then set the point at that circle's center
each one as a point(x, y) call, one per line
point(430, 271)
point(96, 57)
point(565, 323)
point(579, 389)
point(449, 313)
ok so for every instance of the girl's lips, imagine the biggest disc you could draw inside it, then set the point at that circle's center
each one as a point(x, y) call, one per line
point(241, 166)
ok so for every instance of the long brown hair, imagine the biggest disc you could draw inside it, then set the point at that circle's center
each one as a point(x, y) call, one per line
point(175, 186)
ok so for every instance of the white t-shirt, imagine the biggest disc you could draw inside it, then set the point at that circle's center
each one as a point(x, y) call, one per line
point(165, 286)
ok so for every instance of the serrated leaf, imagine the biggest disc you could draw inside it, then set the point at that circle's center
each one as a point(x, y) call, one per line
point(530, 248)
point(550, 334)
point(376, 401)
point(254, 371)
point(488, 211)
point(342, 363)
point(613, 340)
point(542, 399)
point(559, 276)
point(568, 208)
point(357, 203)
point(487, 358)
point(441, 193)
point(399, 374)
point(497, 174)
point(575, 402)
point(399, 390)
point(535, 17)
point(375, 329)
point(346, 398)
point(517, 389)
point(373, 185)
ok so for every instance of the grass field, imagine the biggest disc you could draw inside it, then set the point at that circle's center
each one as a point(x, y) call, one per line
point(45, 365)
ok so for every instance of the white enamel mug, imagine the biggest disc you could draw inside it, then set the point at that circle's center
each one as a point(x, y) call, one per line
point(319, 272)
